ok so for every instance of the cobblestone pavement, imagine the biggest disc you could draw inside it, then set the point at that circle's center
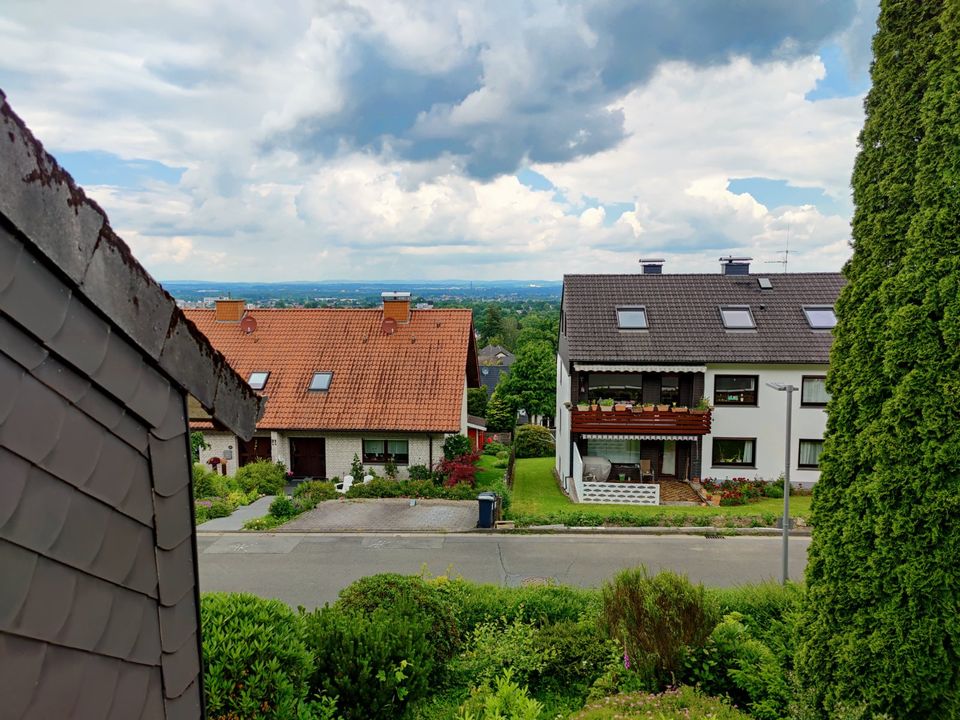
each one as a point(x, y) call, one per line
point(388, 515)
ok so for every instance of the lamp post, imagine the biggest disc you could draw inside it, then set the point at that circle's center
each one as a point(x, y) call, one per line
point(788, 389)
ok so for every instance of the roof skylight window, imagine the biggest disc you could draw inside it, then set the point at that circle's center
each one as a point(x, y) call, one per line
point(321, 381)
point(258, 379)
point(737, 317)
point(820, 317)
point(632, 318)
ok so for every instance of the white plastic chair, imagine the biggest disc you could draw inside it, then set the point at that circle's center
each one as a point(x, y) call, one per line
point(345, 484)
point(367, 479)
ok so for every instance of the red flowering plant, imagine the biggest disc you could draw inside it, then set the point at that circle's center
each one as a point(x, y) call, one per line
point(459, 470)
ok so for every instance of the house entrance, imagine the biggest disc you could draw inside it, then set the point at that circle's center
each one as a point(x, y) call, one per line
point(308, 457)
point(256, 448)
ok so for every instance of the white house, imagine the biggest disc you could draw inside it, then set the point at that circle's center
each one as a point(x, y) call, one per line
point(660, 345)
point(383, 383)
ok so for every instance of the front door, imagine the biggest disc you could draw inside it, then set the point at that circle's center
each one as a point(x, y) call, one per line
point(308, 457)
point(256, 448)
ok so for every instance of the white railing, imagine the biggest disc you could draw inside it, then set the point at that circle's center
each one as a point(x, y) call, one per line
point(578, 473)
point(620, 493)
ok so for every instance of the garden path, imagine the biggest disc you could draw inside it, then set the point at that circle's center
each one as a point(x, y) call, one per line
point(235, 521)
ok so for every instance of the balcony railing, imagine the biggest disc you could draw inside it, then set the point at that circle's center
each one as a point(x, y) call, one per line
point(649, 422)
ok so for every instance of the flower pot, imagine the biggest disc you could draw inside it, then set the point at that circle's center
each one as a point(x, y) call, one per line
point(583, 406)
point(663, 408)
point(606, 408)
point(699, 412)
point(619, 408)
point(679, 408)
point(648, 407)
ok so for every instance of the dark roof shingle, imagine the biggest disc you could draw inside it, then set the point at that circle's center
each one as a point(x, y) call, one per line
point(683, 313)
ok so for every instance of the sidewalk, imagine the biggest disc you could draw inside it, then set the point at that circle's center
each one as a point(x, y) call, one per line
point(258, 508)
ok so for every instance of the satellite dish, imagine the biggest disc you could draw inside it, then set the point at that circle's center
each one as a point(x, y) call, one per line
point(388, 326)
point(248, 324)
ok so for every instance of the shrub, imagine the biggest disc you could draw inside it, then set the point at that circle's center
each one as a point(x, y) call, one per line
point(390, 469)
point(495, 448)
point(374, 664)
point(197, 443)
point(308, 495)
point(283, 508)
point(575, 653)
point(461, 470)
point(389, 590)
point(657, 618)
point(773, 489)
point(533, 441)
point(680, 704)
point(736, 664)
point(498, 645)
point(420, 473)
point(506, 700)
point(201, 513)
point(356, 468)
point(203, 481)
point(256, 664)
point(219, 508)
point(455, 446)
point(262, 476)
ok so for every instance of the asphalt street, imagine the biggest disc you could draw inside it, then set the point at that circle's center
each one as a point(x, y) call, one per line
point(310, 569)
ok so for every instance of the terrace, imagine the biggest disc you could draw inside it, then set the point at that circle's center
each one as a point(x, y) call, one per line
point(641, 419)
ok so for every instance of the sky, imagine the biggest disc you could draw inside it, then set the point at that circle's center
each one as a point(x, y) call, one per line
point(420, 140)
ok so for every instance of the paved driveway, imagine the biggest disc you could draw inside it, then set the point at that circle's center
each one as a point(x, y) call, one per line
point(388, 515)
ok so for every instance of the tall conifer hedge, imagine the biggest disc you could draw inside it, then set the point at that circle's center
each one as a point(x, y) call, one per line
point(882, 624)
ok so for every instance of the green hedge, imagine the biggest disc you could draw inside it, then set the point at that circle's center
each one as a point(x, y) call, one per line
point(533, 441)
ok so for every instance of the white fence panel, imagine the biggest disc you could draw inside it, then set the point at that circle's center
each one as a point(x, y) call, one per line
point(621, 493)
point(578, 473)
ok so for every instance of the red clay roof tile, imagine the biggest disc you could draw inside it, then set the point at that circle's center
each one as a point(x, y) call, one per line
point(412, 380)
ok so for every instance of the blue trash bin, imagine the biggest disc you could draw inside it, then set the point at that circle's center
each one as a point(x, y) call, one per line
point(488, 502)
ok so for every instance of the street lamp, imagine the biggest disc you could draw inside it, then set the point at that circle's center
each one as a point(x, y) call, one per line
point(788, 389)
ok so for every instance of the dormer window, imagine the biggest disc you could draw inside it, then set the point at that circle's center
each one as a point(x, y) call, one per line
point(258, 379)
point(820, 317)
point(632, 318)
point(737, 317)
point(321, 381)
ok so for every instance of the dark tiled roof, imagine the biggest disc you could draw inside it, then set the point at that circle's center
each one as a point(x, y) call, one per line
point(684, 318)
point(490, 375)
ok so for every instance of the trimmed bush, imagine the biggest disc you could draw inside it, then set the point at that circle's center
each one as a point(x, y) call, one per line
point(656, 619)
point(455, 446)
point(533, 441)
point(219, 508)
point(283, 508)
point(256, 663)
point(375, 665)
point(494, 448)
point(308, 495)
point(265, 477)
point(389, 590)
point(574, 653)
point(204, 480)
point(680, 704)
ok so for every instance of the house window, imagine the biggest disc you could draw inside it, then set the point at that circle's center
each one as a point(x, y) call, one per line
point(820, 317)
point(257, 380)
point(737, 317)
point(380, 451)
point(735, 390)
point(321, 381)
point(735, 452)
point(813, 391)
point(669, 389)
point(632, 318)
point(810, 451)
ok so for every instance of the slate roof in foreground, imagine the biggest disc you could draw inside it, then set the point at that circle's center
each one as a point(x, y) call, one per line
point(684, 318)
point(412, 380)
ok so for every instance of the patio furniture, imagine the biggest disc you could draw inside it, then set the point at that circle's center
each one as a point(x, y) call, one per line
point(597, 466)
point(646, 471)
point(345, 484)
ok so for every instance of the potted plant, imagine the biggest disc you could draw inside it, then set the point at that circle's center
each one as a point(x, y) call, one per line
point(583, 405)
point(662, 407)
point(620, 406)
point(648, 407)
point(606, 404)
point(702, 407)
point(679, 408)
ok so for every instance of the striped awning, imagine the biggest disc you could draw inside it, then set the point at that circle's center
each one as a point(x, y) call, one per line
point(602, 367)
point(599, 436)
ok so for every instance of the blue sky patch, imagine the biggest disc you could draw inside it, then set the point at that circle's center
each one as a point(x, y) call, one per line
point(841, 79)
point(777, 193)
point(533, 180)
point(95, 167)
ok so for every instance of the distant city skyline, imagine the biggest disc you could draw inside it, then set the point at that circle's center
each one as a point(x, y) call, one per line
point(377, 141)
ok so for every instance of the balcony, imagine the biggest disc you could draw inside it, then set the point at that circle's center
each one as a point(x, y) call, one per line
point(641, 422)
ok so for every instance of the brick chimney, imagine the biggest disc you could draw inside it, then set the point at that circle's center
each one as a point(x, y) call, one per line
point(229, 310)
point(396, 306)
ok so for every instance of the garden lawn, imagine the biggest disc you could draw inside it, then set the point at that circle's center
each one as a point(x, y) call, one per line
point(487, 475)
point(537, 494)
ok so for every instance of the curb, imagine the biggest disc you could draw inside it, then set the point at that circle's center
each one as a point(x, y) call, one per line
point(708, 532)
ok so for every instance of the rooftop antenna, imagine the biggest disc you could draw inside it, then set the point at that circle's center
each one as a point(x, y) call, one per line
point(785, 252)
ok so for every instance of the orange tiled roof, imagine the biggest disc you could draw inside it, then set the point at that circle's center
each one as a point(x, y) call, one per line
point(411, 380)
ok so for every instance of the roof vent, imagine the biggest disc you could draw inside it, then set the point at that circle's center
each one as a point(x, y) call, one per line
point(735, 265)
point(765, 283)
point(396, 306)
point(652, 266)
